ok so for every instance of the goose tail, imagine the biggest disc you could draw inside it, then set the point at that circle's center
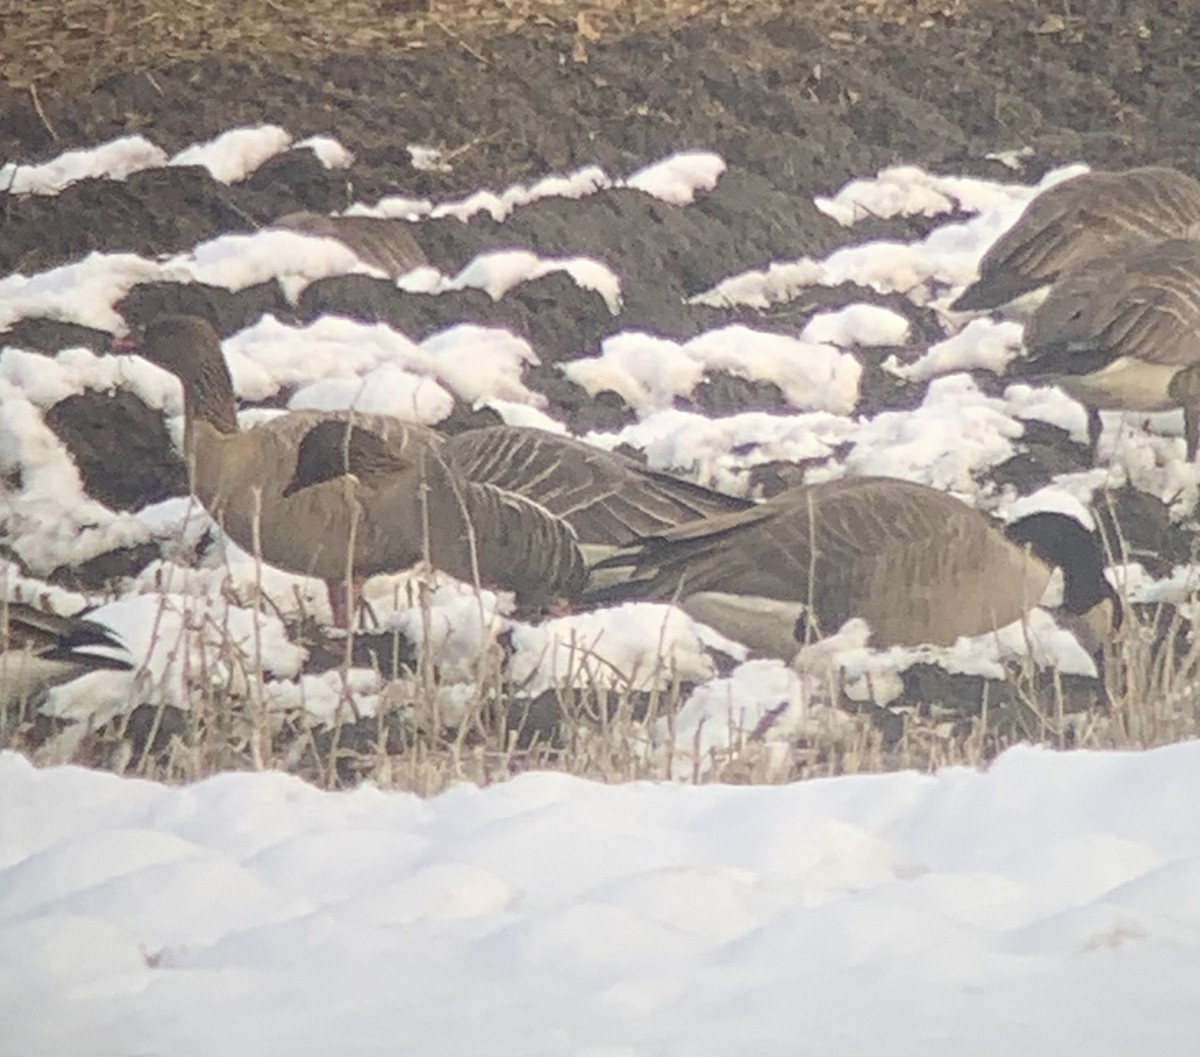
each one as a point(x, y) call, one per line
point(85, 641)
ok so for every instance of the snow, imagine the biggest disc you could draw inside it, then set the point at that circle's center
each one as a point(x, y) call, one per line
point(640, 645)
point(234, 155)
point(678, 178)
point(649, 372)
point(1051, 903)
point(82, 292)
point(328, 150)
point(116, 159)
point(862, 325)
point(719, 451)
point(294, 258)
point(500, 271)
point(930, 271)
point(905, 190)
point(955, 433)
point(675, 179)
point(982, 343)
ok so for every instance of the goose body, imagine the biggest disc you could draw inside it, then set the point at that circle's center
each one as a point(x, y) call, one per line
point(240, 478)
point(918, 565)
point(1076, 220)
point(1122, 331)
point(382, 242)
point(418, 506)
point(239, 475)
point(39, 650)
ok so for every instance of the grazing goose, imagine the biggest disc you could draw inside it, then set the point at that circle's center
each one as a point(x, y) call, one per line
point(39, 650)
point(382, 242)
point(1122, 331)
point(239, 475)
point(918, 565)
point(608, 499)
point(1077, 219)
point(415, 505)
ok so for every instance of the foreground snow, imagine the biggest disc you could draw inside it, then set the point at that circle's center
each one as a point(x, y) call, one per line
point(1048, 906)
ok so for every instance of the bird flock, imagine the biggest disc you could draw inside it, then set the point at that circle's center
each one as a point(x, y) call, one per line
point(1104, 269)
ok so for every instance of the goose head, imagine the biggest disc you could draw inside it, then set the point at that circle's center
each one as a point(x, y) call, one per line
point(1091, 604)
point(190, 349)
point(335, 449)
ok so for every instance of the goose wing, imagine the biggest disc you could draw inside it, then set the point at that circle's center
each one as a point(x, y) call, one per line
point(505, 540)
point(1142, 305)
point(26, 627)
point(473, 530)
point(609, 500)
point(833, 546)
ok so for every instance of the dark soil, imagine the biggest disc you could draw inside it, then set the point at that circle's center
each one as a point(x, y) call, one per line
point(796, 103)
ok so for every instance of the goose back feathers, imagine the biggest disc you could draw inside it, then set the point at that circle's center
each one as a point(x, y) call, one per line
point(917, 564)
point(1077, 219)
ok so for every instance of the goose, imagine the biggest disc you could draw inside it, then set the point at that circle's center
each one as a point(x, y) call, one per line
point(918, 565)
point(608, 499)
point(415, 505)
point(39, 650)
point(611, 499)
point(1122, 332)
point(1073, 221)
point(382, 242)
point(239, 475)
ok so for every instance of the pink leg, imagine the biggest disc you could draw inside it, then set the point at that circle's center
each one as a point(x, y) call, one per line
point(343, 603)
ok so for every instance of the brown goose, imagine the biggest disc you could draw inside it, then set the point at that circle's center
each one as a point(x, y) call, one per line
point(608, 499)
point(382, 242)
point(239, 475)
point(1077, 219)
point(915, 563)
point(1122, 331)
point(39, 650)
point(415, 505)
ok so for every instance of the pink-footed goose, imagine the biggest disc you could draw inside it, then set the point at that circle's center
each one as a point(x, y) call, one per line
point(239, 474)
point(605, 499)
